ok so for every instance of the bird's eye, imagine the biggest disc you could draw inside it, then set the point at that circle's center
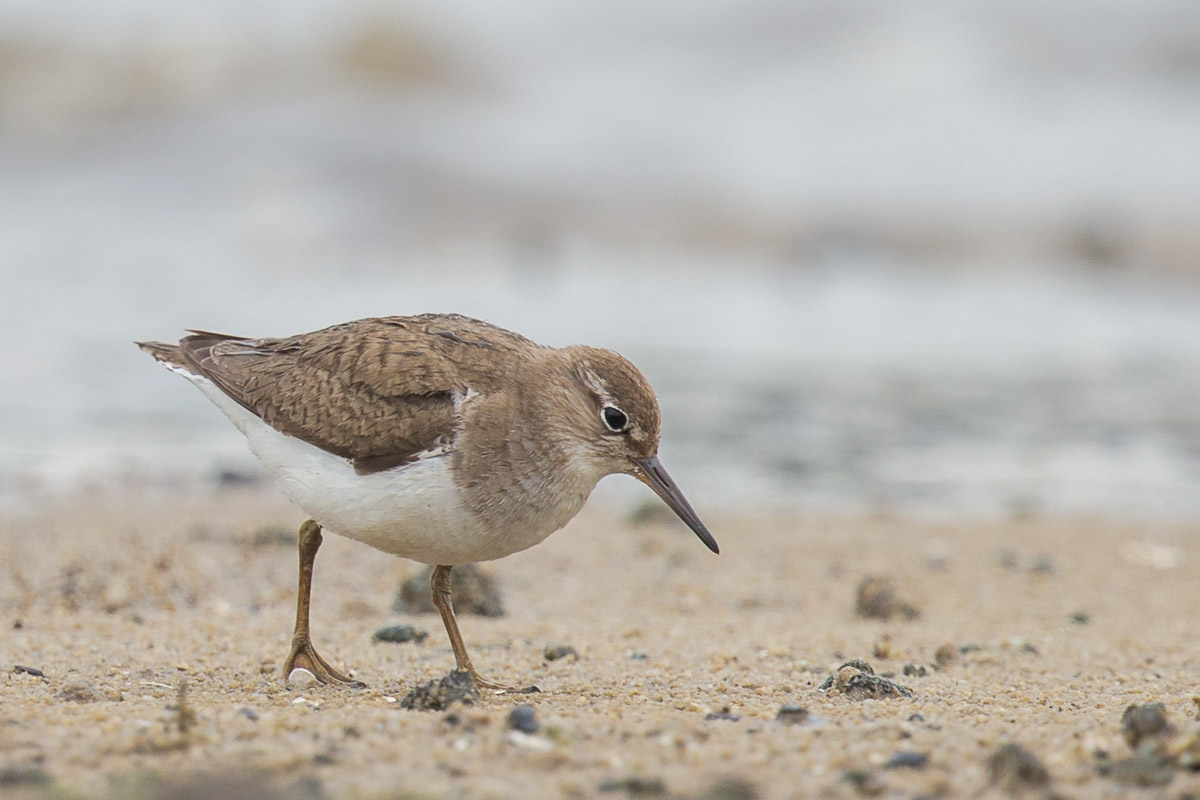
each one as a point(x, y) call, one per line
point(614, 418)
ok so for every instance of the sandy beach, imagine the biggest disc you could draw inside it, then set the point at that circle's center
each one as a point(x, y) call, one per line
point(1038, 632)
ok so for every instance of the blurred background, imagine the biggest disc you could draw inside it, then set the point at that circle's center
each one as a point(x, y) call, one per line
point(933, 258)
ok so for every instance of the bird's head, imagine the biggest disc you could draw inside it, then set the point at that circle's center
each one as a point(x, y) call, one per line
point(615, 421)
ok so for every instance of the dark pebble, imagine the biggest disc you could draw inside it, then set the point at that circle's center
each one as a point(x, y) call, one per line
point(634, 786)
point(1081, 618)
point(864, 781)
point(1015, 769)
point(439, 695)
point(792, 715)
point(34, 671)
point(724, 714)
point(17, 624)
point(637, 655)
point(917, 717)
point(1149, 721)
point(908, 760)
point(249, 713)
point(945, 655)
point(522, 719)
point(877, 598)
point(233, 479)
point(471, 590)
point(554, 652)
point(915, 670)
point(399, 634)
point(858, 681)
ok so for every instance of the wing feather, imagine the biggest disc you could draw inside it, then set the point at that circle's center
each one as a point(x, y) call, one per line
point(379, 391)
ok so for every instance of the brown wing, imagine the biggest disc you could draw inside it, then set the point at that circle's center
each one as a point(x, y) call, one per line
point(377, 391)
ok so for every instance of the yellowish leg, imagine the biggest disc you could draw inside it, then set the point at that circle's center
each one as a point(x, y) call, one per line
point(304, 655)
point(439, 585)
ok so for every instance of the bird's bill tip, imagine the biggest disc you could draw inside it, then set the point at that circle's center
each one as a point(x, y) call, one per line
point(651, 472)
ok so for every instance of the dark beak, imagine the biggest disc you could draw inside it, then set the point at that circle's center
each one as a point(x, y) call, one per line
point(650, 472)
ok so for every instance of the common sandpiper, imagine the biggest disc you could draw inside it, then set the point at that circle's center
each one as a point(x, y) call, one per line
point(437, 438)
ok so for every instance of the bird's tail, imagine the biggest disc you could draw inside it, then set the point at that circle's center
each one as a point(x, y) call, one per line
point(169, 354)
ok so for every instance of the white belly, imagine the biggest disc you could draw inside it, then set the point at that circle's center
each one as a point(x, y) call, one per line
point(414, 511)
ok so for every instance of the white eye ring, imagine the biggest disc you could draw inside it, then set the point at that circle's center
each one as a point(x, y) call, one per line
point(614, 418)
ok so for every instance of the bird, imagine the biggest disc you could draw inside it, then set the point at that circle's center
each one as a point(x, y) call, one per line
point(437, 438)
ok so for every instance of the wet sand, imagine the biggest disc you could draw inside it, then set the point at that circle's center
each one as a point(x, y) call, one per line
point(1035, 631)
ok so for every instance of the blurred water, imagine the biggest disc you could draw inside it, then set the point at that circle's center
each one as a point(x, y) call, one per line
point(936, 259)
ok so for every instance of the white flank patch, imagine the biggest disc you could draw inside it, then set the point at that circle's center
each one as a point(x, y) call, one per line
point(414, 510)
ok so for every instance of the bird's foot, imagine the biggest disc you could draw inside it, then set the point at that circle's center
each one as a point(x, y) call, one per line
point(305, 657)
point(484, 685)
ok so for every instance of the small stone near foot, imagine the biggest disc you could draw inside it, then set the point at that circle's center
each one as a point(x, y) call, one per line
point(857, 680)
point(399, 634)
point(440, 694)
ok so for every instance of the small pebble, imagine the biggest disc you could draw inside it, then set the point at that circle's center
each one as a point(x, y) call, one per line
point(865, 782)
point(1145, 722)
point(634, 786)
point(724, 713)
point(1015, 769)
point(24, 775)
point(34, 671)
point(857, 680)
point(1081, 618)
point(883, 647)
point(877, 598)
point(522, 719)
point(554, 652)
point(399, 634)
point(945, 655)
point(792, 715)
point(249, 713)
point(18, 625)
point(915, 670)
point(439, 695)
point(908, 760)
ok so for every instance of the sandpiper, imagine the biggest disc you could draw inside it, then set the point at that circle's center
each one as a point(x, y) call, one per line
point(438, 438)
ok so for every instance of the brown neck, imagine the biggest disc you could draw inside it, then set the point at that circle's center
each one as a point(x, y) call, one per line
point(519, 445)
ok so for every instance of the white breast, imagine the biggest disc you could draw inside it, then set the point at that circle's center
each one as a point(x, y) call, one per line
point(414, 511)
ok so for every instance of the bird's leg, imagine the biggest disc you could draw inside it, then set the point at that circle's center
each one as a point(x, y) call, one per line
point(304, 656)
point(439, 585)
